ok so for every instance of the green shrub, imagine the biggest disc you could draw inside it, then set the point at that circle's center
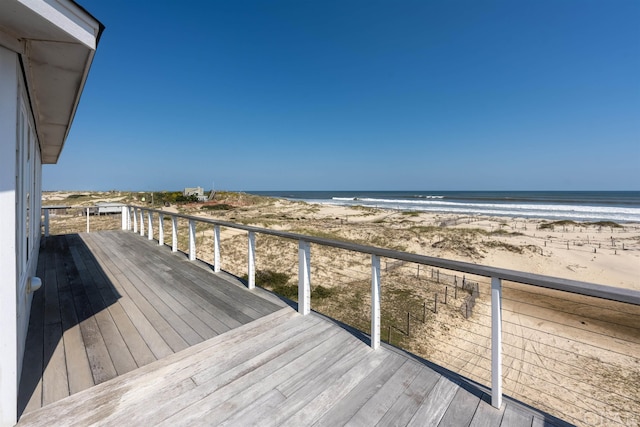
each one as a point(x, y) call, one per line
point(605, 224)
point(320, 292)
point(218, 207)
point(287, 291)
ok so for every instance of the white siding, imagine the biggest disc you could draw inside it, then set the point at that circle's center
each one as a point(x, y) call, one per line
point(20, 199)
point(8, 231)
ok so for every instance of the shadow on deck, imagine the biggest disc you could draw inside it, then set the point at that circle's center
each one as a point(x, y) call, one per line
point(215, 353)
point(111, 303)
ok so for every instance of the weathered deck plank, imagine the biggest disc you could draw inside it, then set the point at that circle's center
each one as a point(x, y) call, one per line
point(371, 412)
point(461, 409)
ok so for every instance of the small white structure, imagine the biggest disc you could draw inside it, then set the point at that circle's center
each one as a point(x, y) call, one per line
point(195, 191)
point(46, 50)
point(108, 208)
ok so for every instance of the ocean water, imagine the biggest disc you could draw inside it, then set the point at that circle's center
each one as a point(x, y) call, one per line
point(619, 206)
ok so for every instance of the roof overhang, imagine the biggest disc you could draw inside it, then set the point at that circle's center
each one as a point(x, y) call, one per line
point(56, 40)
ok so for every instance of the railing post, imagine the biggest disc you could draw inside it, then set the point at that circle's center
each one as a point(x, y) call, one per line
point(141, 222)
point(128, 218)
point(46, 223)
point(251, 261)
point(87, 220)
point(496, 342)
point(192, 240)
point(124, 218)
point(160, 229)
point(304, 277)
point(375, 301)
point(150, 223)
point(216, 248)
point(135, 220)
point(174, 233)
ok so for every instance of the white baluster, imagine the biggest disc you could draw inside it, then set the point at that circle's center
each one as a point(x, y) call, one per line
point(304, 277)
point(216, 248)
point(496, 342)
point(192, 240)
point(375, 301)
point(251, 254)
point(160, 229)
point(174, 233)
point(150, 222)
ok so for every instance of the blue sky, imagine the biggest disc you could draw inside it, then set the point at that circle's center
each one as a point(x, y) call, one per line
point(366, 95)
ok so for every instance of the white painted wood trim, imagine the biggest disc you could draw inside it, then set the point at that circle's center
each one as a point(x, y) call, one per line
point(87, 220)
point(150, 223)
point(375, 301)
point(174, 233)
point(496, 342)
point(251, 261)
point(68, 17)
point(216, 248)
point(192, 240)
point(304, 277)
point(160, 229)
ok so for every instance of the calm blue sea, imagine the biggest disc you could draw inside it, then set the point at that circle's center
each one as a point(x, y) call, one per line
point(620, 206)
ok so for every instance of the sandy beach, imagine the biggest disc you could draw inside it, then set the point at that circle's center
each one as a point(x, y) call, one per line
point(576, 357)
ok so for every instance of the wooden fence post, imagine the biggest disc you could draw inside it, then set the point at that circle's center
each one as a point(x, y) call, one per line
point(408, 324)
point(141, 222)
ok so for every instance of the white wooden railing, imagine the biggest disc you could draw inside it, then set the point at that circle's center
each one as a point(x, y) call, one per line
point(133, 219)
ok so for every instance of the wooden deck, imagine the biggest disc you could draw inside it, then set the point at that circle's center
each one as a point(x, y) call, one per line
point(112, 302)
point(196, 349)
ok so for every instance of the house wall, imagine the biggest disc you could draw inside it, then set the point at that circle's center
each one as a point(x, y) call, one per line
point(20, 199)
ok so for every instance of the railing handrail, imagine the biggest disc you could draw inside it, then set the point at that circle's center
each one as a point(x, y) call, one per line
point(612, 293)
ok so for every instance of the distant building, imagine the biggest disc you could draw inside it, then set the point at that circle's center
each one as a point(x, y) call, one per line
point(195, 191)
point(108, 208)
point(46, 51)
